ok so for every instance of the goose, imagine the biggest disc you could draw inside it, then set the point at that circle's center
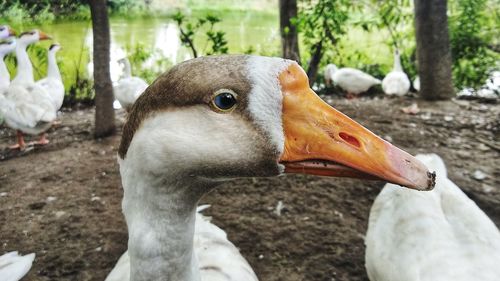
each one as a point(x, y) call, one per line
point(416, 83)
point(26, 106)
point(6, 32)
point(396, 82)
point(53, 82)
point(6, 47)
point(129, 87)
point(436, 235)
point(14, 266)
point(211, 119)
point(353, 81)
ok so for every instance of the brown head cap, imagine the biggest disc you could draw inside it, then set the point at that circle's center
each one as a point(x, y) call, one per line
point(189, 83)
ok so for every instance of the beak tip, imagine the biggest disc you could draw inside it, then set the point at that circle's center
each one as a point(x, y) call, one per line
point(431, 180)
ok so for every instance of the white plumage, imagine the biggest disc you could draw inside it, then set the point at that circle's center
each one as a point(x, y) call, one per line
point(435, 235)
point(53, 82)
point(416, 83)
point(6, 47)
point(129, 87)
point(218, 259)
point(25, 105)
point(396, 82)
point(14, 266)
point(353, 81)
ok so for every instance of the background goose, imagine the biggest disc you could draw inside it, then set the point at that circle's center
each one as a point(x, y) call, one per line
point(129, 87)
point(416, 83)
point(6, 31)
point(26, 106)
point(6, 47)
point(211, 119)
point(436, 235)
point(396, 82)
point(351, 80)
point(14, 266)
point(53, 82)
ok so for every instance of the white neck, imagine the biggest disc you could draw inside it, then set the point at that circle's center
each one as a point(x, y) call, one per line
point(160, 211)
point(4, 72)
point(24, 67)
point(53, 69)
point(397, 63)
point(127, 69)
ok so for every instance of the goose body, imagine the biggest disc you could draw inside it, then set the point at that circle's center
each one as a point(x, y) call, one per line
point(396, 82)
point(353, 81)
point(53, 82)
point(435, 235)
point(212, 119)
point(26, 106)
point(14, 266)
point(129, 87)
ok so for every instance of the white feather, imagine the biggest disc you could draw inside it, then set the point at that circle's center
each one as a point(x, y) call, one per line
point(433, 235)
point(14, 266)
point(396, 82)
point(27, 107)
point(128, 88)
point(218, 259)
point(264, 105)
point(349, 79)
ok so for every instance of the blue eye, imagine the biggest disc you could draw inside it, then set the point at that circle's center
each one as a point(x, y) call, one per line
point(225, 100)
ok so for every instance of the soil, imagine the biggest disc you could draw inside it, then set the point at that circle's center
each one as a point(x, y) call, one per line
point(62, 201)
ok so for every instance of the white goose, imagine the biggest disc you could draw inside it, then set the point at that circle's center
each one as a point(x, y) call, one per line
point(129, 87)
point(14, 266)
point(396, 82)
point(212, 119)
point(6, 32)
point(353, 81)
point(6, 47)
point(436, 235)
point(26, 106)
point(53, 83)
point(416, 83)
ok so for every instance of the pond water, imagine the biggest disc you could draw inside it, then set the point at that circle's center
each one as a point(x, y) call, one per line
point(244, 29)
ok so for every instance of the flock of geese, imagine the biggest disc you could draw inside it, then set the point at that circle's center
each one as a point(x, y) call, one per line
point(31, 107)
point(216, 118)
point(355, 81)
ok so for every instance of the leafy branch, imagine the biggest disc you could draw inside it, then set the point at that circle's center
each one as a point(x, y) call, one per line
point(188, 32)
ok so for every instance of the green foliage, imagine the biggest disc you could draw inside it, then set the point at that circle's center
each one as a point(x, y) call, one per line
point(43, 11)
point(216, 39)
point(146, 62)
point(322, 21)
point(470, 43)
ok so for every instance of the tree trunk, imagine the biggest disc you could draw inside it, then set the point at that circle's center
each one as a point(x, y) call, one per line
point(104, 112)
point(433, 50)
point(312, 69)
point(289, 37)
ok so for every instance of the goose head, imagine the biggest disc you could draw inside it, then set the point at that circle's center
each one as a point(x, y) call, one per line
point(54, 48)
point(232, 116)
point(331, 68)
point(33, 36)
point(6, 31)
point(7, 46)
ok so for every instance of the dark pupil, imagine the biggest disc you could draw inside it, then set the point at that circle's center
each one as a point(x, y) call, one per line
point(224, 101)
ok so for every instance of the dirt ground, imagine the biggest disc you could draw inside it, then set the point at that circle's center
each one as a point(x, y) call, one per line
point(62, 201)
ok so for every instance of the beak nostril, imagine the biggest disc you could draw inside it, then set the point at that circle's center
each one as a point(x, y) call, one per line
point(350, 139)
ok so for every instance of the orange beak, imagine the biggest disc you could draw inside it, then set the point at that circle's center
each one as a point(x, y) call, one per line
point(320, 140)
point(12, 32)
point(44, 36)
